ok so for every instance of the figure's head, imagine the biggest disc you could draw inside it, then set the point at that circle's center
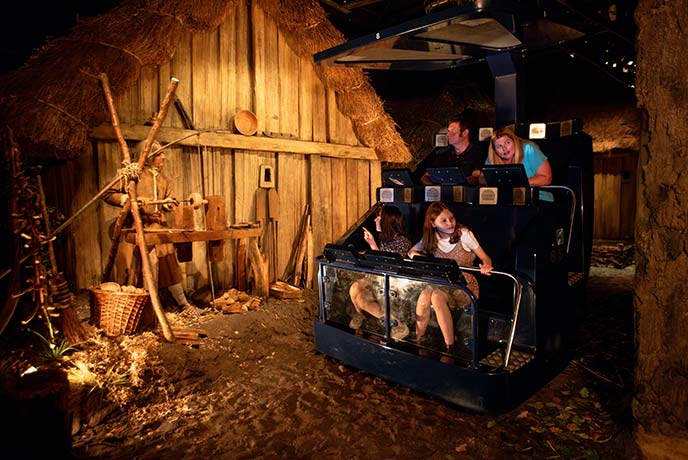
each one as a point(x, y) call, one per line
point(156, 161)
point(505, 147)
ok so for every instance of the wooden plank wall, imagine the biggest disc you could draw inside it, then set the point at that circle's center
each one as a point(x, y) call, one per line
point(615, 195)
point(244, 64)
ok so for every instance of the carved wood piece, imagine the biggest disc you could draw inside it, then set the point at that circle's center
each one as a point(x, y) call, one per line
point(241, 265)
point(259, 270)
point(183, 217)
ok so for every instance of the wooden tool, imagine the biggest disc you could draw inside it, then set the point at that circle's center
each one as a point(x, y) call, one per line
point(273, 215)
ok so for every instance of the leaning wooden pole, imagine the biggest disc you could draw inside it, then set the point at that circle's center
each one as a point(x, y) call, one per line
point(116, 234)
point(126, 159)
point(138, 224)
point(109, 100)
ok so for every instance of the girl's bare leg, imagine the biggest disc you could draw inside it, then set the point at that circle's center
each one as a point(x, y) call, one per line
point(361, 292)
point(440, 301)
point(423, 312)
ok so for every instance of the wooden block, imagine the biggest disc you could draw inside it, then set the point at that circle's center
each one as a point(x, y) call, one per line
point(216, 251)
point(215, 215)
point(215, 220)
point(183, 217)
point(283, 290)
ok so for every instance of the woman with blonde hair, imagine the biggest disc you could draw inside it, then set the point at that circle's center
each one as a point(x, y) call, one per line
point(507, 148)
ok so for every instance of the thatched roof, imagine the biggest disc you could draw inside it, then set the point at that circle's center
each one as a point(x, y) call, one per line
point(55, 99)
point(614, 128)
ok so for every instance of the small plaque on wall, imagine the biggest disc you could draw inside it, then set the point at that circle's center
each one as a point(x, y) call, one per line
point(408, 194)
point(566, 128)
point(484, 134)
point(386, 195)
point(267, 180)
point(537, 130)
point(519, 197)
point(458, 193)
point(488, 195)
point(433, 193)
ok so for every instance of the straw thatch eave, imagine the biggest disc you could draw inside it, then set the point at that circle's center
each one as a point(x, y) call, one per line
point(614, 129)
point(54, 100)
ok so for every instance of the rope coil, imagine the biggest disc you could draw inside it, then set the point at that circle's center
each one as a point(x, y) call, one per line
point(130, 171)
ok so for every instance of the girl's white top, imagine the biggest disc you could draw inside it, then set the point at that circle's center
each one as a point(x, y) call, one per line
point(468, 241)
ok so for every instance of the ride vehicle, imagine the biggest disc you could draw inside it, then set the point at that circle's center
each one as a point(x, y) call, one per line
point(519, 333)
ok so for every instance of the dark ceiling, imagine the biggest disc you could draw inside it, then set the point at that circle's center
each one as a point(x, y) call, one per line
point(359, 17)
point(608, 46)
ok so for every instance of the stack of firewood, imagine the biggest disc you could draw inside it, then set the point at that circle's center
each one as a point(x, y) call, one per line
point(613, 254)
point(235, 301)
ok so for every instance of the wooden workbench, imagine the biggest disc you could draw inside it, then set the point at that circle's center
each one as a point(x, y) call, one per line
point(247, 247)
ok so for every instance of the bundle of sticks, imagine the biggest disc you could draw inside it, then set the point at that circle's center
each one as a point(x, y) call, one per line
point(299, 269)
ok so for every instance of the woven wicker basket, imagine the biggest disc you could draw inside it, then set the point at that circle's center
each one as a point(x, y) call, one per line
point(117, 312)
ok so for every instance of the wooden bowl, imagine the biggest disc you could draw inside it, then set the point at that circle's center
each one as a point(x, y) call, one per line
point(246, 122)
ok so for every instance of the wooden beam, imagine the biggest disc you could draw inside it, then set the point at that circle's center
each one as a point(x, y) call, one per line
point(229, 140)
point(336, 6)
point(171, 235)
point(361, 3)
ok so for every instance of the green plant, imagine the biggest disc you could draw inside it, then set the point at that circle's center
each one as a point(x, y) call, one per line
point(52, 353)
point(110, 380)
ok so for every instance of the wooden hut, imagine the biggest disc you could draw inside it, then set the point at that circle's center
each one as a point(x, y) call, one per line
point(616, 140)
point(324, 131)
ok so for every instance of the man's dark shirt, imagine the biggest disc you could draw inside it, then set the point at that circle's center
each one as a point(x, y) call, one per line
point(470, 160)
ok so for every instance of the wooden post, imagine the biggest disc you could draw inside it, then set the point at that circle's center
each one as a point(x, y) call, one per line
point(138, 224)
point(132, 203)
point(126, 158)
point(148, 280)
point(117, 232)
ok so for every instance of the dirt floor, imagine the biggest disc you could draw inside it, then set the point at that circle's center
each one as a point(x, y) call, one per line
point(256, 388)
